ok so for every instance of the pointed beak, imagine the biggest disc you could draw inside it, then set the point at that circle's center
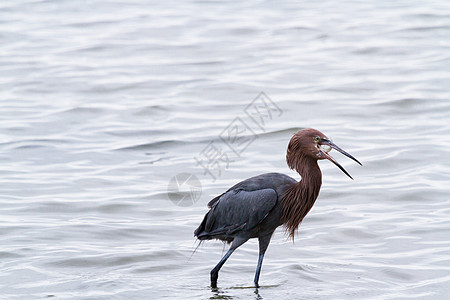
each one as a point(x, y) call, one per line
point(330, 158)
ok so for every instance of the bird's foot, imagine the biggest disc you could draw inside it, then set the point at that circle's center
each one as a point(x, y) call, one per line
point(214, 284)
point(214, 276)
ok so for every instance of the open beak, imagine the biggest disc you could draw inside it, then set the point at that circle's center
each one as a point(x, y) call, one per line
point(330, 158)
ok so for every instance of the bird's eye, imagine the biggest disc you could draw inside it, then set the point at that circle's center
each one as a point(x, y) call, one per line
point(316, 139)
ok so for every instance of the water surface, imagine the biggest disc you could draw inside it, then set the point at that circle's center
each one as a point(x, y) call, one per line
point(103, 102)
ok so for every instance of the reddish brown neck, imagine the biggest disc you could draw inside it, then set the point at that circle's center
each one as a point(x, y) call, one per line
point(300, 198)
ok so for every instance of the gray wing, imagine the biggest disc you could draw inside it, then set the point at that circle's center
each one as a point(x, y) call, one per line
point(237, 210)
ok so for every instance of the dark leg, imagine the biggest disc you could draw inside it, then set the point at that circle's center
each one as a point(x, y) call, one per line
point(258, 269)
point(263, 244)
point(215, 272)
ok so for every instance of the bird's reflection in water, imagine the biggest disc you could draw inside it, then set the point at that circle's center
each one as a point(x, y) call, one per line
point(257, 295)
point(221, 294)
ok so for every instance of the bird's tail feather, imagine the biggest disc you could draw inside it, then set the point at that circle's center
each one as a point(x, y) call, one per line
point(223, 231)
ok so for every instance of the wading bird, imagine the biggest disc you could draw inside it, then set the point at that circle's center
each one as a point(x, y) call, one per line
point(257, 206)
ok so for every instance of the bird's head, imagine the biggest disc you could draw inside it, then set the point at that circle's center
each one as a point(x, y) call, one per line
point(313, 144)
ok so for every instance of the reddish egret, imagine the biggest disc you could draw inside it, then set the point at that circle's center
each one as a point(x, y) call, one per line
point(257, 206)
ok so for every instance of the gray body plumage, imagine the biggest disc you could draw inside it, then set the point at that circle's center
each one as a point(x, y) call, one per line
point(249, 209)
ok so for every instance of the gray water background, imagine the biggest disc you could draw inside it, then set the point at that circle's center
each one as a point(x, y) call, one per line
point(103, 102)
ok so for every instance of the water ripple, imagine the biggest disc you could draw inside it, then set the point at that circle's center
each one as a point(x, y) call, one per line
point(100, 109)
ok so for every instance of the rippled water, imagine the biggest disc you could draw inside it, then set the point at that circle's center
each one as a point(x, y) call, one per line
point(103, 102)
